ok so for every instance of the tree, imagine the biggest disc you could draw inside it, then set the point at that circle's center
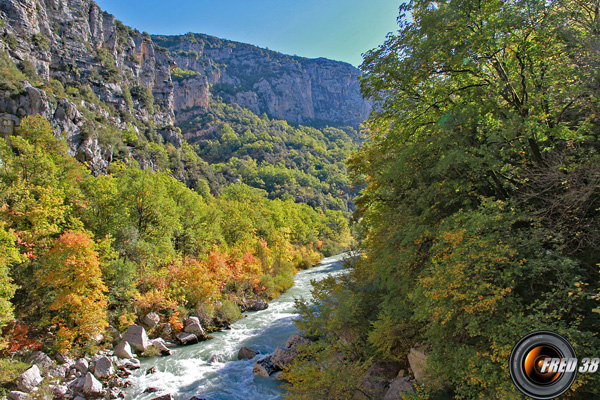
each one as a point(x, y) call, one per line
point(9, 254)
point(72, 270)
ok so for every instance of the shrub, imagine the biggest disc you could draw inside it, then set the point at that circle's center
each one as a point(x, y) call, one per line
point(40, 41)
point(228, 312)
point(144, 95)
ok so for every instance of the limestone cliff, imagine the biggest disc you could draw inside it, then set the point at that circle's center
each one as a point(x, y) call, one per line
point(291, 88)
point(88, 73)
point(82, 49)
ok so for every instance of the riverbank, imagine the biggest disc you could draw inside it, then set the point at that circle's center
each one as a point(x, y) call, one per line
point(211, 369)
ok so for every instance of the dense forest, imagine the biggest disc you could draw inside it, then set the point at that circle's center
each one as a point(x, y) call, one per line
point(480, 215)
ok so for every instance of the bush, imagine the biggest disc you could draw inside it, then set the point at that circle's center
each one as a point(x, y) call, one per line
point(10, 370)
point(144, 95)
point(228, 312)
point(40, 41)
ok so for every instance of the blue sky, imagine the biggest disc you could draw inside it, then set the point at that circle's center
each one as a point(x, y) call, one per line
point(336, 29)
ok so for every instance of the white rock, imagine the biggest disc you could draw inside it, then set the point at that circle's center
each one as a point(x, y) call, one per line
point(92, 386)
point(104, 368)
point(29, 380)
point(137, 337)
point(123, 350)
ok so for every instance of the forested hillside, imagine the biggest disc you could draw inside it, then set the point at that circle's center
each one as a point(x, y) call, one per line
point(108, 214)
point(480, 215)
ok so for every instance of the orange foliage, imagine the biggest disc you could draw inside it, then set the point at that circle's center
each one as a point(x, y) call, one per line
point(18, 338)
point(72, 269)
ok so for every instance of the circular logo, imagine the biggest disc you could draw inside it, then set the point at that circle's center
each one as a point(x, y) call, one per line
point(538, 365)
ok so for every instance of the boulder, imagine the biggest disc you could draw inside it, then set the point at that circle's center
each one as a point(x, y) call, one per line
point(82, 365)
point(215, 358)
point(104, 368)
point(116, 393)
point(58, 372)
point(162, 346)
point(128, 363)
point(418, 363)
point(397, 388)
point(29, 380)
point(92, 386)
point(63, 358)
point(164, 397)
point(151, 389)
point(259, 305)
point(16, 395)
point(264, 367)
point(151, 370)
point(123, 350)
point(40, 359)
point(376, 381)
point(192, 325)
point(187, 338)
point(164, 330)
point(283, 356)
point(246, 353)
point(59, 391)
point(137, 337)
point(151, 320)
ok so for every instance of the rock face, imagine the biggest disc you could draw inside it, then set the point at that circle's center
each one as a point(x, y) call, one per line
point(293, 88)
point(83, 49)
point(74, 42)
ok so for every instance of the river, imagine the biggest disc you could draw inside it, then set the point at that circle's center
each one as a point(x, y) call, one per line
point(188, 373)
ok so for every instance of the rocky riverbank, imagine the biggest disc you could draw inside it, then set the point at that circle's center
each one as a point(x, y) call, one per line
point(104, 375)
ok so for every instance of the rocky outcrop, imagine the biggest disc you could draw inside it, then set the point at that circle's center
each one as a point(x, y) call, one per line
point(292, 88)
point(75, 44)
point(92, 57)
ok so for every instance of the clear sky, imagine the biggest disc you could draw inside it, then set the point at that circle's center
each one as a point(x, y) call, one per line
point(336, 29)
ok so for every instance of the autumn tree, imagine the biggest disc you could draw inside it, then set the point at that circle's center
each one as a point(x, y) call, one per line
point(72, 270)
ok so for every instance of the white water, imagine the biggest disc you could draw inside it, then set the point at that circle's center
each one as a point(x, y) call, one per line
point(188, 373)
